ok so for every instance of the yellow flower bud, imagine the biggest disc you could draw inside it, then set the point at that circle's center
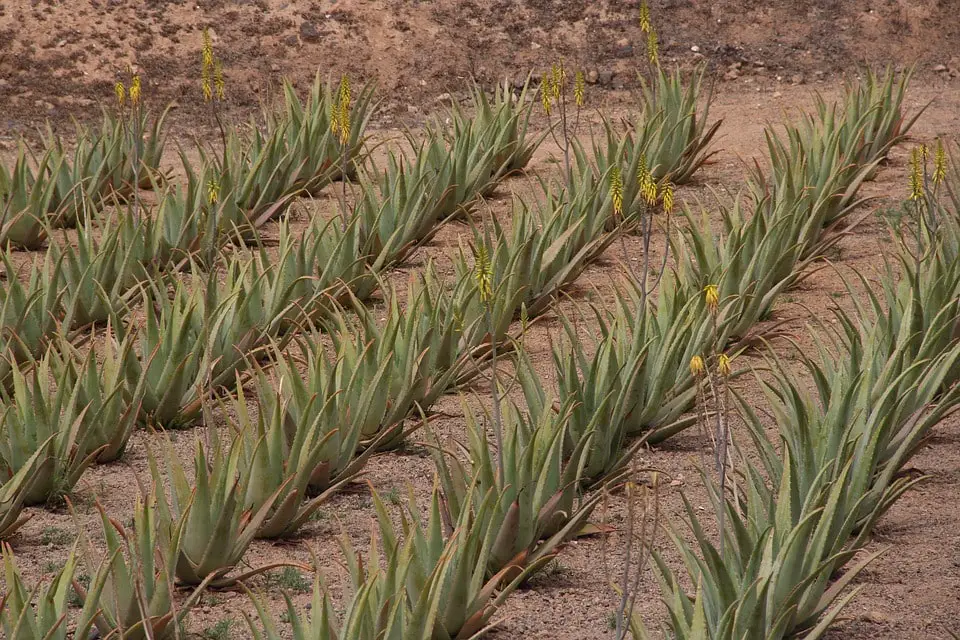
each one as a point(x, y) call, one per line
point(667, 196)
point(916, 173)
point(213, 191)
point(653, 48)
point(939, 164)
point(697, 367)
point(723, 365)
point(546, 92)
point(711, 296)
point(135, 91)
point(579, 86)
point(121, 92)
point(644, 16)
point(616, 190)
point(483, 274)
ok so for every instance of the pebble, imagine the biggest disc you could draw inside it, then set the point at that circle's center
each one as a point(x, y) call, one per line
point(443, 97)
point(940, 68)
point(605, 77)
point(797, 78)
point(695, 49)
point(309, 31)
point(592, 76)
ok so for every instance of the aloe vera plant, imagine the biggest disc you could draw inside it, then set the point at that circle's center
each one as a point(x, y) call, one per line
point(314, 148)
point(96, 277)
point(752, 263)
point(170, 358)
point(131, 594)
point(774, 576)
point(433, 584)
point(15, 489)
point(873, 117)
point(103, 164)
point(40, 612)
point(537, 481)
point(304, 440)
point(41, 416)
point(599, 387)
point(398, 208)
point(110, 402)
point(29, 313)
point(217, 528)
point(502, 124)
point(671, 132)
point(26, 200)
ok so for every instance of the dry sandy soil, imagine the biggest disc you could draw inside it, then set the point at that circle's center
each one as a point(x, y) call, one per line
point(59, 59)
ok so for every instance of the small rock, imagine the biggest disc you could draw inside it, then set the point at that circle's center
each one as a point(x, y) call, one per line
point(413, 109)
point(796, 78)
point(759, 63)
point(605, 77)
point(207, 609)
point(695, 49)
point(733, 74)
point(877, 617)
point(274, 67)
point(62, 44)
point(443, 97)
point(291, 40)
point(592, 76)
point(309, 31)
point(820, 74)
point(534, 45)
point(623, 42)
point(777, 94)
point(940, 68)
point(954, 73)
point(735, 66)
point(43, 104)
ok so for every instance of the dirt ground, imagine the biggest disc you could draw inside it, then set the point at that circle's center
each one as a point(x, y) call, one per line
point(60, 59)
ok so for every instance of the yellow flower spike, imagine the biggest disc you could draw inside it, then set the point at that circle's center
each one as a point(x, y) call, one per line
point(135, 91)
point(723, 365)
point(697, 367)
point(206, 51)
point(616, 190)
point(121, 92)
point(213, 191)
point(711, 295)
point(218, 82)
point(648, 186)
point(484, 274)
point(644, 16)
point(206, 88)
point(342, 108)
point(924, 153)
point(546, 92)
point(916, 174)
point(939, 164)
point(559, 79)
point(653, 48)
point(667, 196)
point(579, 86)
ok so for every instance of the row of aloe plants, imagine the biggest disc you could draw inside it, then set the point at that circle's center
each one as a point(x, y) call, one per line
point(796, 521)
point(295, 419)
point(804, 513)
